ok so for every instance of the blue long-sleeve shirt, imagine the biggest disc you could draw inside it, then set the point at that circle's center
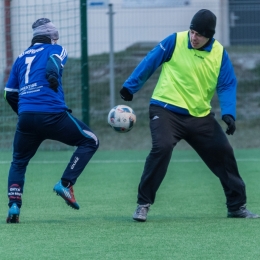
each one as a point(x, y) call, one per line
point(226, 85)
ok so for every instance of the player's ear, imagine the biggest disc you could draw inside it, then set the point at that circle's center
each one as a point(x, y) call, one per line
point(54, 42)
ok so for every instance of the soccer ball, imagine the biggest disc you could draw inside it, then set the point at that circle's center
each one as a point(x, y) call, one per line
point(121, 118)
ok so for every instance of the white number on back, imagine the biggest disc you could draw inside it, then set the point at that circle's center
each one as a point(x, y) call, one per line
point(28, 61)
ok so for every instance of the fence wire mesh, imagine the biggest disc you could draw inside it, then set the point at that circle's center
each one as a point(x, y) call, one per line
point(136, 30)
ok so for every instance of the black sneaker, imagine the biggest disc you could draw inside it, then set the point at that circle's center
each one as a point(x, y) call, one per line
point(141, 212)
point(242, 213)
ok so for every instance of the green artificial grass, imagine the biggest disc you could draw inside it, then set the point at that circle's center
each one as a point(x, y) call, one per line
point(187, 221)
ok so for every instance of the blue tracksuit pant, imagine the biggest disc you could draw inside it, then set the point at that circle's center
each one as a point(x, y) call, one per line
point(32, 130)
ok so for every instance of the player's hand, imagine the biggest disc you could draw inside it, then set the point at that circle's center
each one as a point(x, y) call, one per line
point(54, 84)
point(229, 120)
point(125, 94)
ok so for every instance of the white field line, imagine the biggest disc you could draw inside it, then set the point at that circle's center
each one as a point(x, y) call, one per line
point(129, 161)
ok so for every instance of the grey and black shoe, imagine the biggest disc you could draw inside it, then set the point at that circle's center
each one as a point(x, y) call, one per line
point(242, 212)
point(141, 212)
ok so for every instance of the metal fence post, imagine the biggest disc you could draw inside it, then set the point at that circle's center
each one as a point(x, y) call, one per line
point(111, 56)
point(84, 62)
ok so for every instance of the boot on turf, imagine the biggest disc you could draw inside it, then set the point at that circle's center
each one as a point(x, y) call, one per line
point(242, 212)
point(67, 194)
point(140, 213)
point(13, 214)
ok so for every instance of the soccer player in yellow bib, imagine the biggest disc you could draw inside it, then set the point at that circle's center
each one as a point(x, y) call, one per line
point(194, 67)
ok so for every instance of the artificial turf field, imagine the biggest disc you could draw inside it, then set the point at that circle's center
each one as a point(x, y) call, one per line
point(187, 221)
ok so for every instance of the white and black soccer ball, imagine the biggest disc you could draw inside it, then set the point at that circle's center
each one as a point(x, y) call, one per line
point(121, 118)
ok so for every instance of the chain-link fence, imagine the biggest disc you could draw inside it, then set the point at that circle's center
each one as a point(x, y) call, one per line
point(137, 27)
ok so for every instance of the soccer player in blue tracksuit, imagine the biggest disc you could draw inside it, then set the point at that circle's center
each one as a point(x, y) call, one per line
point(194, 66)
point(34, 91)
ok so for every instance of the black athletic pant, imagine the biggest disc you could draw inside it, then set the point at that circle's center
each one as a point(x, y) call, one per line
point(206, 136)
point(32, 130)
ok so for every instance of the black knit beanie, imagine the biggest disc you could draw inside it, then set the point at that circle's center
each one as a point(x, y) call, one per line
point(204, 22)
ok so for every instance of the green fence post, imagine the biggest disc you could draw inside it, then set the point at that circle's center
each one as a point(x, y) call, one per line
point(84, 62)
